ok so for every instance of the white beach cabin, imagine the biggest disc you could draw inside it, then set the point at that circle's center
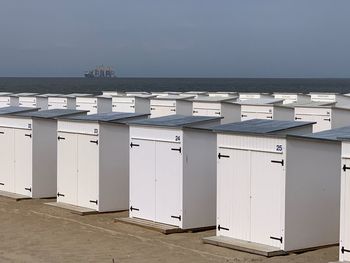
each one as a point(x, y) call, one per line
point(222, 94)
point(278, 190)
point(289, 98)
point(326, 117)
point(176, 184)
point(217, 107)
point(272, 109)
point(8, 99)
point(93, 161)
point(94, 105)
point(31, 100)
point(171, 105)
point(28, 153)
point(132, 104)
point(344, 240)
point(340, 99)
point(251, 95)
point(60, 101)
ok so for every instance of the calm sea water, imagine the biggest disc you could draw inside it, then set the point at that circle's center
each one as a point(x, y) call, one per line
point(95, 86)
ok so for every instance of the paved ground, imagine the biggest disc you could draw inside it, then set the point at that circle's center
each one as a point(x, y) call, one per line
point(31, 231)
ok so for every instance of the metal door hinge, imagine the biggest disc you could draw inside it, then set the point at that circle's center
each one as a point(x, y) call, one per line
point(153, 108)
point(95, 142)
point(223, 156)
point(28, 189)
point(2, 184)
point(93, 201)
point(2, 132)
point(176, 149)
point(195, 111)
point(280, 162)
point(297, 118)
point(268, 117)
point(132, 106)
point(60, 138)
point(217, 113)
point(280, 239)
point(28, 135)
point(223, 228)
point(134, 145)
point(134, 209)
point(243, 115)
point(345, 168)
point(59, 194)
point(173, 110)
point(329, 119)
point(176, 217)
point(94, 106)
point(343, 250)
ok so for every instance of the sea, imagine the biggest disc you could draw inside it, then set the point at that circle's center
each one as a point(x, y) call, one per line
point(96, 86)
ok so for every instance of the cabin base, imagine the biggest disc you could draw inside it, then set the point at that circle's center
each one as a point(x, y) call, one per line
point(15, 197)
point(73, 208)
point(159, 227)
point(245, 246)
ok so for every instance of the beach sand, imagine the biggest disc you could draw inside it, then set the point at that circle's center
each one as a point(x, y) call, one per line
point(31, 231)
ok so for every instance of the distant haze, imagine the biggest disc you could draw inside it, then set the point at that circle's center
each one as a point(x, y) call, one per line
point(176, 38)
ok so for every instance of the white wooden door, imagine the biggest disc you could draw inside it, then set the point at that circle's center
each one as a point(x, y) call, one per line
point(159, 111)
point(67, 168)
point(266, 198)
point(91, 107)
point(168, 183)
point(256, 115)
point(344, 244)
point(123, 107)
point(233, 193)
point(23, 162)
point(142, 179)
point(206, 112)
point(323, 122)
point(88, 183)
point(7, 159)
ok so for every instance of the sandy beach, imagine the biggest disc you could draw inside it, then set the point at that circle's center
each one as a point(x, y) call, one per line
point(34, 232)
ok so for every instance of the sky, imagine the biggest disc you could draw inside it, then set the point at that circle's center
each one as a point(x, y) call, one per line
point(176, 38)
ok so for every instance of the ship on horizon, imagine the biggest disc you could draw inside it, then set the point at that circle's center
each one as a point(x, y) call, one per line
point(100, 72)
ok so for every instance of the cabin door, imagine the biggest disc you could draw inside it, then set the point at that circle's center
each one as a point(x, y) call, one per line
point(168, 183)
point(344, 245)
point(7, 159)
point(67, 178)
point(142, 179)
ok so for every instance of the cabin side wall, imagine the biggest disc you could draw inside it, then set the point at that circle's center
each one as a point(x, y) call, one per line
point(230, 112)
point(199, 179)
point(184, 107)
point(113, 167)
point(44, 158)
point(312, 193)
point(283, 114)
point(142, 105)
point(104, 105)
point(340, 118)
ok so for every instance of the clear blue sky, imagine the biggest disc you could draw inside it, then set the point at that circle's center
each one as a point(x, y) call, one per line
point(176, 38)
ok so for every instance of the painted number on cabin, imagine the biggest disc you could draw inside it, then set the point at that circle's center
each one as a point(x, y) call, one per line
point(279, 148)
point(177, 138)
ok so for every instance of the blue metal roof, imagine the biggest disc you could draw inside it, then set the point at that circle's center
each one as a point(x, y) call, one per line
point(14, 109)
point(49, 114)
point(333, 134)
point(107, 117)
point(174, 120)
point(259, 126)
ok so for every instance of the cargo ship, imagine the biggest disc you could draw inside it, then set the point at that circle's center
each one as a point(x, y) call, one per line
point(100, 72)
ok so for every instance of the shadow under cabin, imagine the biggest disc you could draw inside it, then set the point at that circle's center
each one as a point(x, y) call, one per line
point(278, 189)
point(176, 184)
point(171, 105)
point(93, 162)
point(28, 154)
point(217, 107)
